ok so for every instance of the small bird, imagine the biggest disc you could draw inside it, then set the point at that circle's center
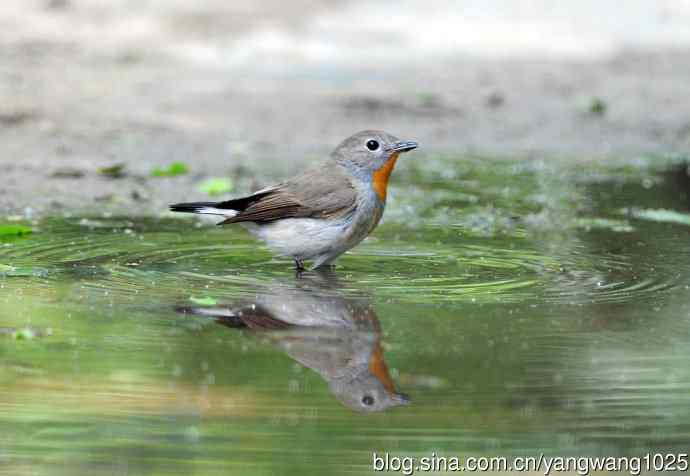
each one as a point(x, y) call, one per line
point(325, 211)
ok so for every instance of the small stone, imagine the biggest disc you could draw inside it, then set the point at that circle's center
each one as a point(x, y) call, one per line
point(58, 4)
point(495, 100)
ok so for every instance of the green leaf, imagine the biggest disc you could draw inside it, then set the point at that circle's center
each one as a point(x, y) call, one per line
point(14, 230)
point(173, 170)
point(24, 334)
point(6, 269)
point(115, 171)
point(598, 107)
point(426, 99)
point(216, 186)
point(661, 216)
point(204, 301)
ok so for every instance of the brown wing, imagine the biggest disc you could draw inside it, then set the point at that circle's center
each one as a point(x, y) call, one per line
point(253, 317)
point(258, 319)
point(318, 193)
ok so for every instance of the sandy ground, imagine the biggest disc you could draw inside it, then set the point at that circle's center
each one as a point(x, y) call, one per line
point(255, 90)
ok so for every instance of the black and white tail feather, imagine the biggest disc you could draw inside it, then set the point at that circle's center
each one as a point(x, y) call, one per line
point(228, 209)
point(253, 317)
point(205, 208)
point(225, 316)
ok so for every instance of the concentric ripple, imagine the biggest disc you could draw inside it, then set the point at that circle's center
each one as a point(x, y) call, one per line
point(595, 289)
point(163, 260)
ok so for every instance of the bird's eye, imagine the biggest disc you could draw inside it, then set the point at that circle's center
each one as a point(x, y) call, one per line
point(368, 401)
point(373, 145)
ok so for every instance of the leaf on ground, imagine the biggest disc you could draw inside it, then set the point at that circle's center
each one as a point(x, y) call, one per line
point(598, 107)
point(204, 301)
point(427, 99)
point(173, 170)
point(68, 173)
point(216, 186)
point(660, 215)
point(14, 230)
point(115, 171)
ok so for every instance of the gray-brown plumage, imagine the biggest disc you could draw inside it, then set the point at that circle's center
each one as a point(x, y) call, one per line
point(310, 195)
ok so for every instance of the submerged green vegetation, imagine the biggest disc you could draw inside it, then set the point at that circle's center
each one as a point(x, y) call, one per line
point(524, 307)
point(14, 230)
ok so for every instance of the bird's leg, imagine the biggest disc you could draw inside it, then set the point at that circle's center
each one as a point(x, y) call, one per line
point(299, 265)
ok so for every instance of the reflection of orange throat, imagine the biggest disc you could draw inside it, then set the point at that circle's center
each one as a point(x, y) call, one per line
point(379, 369)
point(382, 175)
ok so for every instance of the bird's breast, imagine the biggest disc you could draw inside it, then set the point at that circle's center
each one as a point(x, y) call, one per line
point(367, 216)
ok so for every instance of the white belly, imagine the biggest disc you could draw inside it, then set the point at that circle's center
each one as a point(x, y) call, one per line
point(304, 238)
point(319, 240)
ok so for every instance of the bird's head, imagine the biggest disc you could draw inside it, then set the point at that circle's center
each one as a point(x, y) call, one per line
point(371, 156)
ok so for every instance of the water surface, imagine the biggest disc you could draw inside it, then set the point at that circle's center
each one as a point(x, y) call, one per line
point(501, 309)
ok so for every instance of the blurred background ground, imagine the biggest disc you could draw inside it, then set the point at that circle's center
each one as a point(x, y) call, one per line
point(254, 90)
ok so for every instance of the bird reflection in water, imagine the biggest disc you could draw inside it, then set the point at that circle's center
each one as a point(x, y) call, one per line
point(336, 336)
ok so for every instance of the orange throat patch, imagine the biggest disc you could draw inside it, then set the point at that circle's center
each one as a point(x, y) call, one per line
point(379, 369)
point(382, 175)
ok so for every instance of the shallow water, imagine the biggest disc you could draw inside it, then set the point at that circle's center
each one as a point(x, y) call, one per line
point(520, 307)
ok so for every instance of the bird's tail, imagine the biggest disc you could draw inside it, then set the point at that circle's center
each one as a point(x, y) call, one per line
point(205, 208)
point(228, 209)
point(221, 315)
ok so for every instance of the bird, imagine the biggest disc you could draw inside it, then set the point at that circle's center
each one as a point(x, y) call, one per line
point(336, 336)
point(325, 211)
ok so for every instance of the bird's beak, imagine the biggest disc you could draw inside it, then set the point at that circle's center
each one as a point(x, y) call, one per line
point(402, 399)
point(404, 146)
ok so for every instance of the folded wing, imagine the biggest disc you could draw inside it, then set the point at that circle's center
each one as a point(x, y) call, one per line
point(315, 194)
